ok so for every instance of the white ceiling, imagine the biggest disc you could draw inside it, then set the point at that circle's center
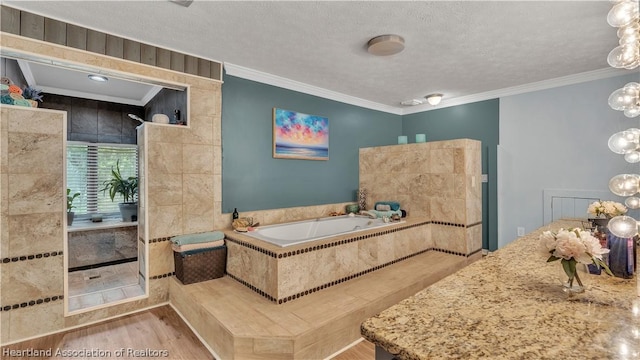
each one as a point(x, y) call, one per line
point(460, 49)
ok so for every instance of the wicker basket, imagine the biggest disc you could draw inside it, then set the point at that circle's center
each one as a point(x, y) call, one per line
point(201, 266)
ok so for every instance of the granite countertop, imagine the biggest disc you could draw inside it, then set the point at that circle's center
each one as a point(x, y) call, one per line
point(510, 305)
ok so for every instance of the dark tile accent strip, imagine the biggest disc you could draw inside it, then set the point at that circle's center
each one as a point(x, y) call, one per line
point(449, 252)
point(6, 308)
point(154, 277)
point(31, 257)
point(159, 240)
point(324, 246)
point(252, 287)
point(474, 224)
point(253, 247)
point(93, 266)
point(446, 223)
point(474, 252)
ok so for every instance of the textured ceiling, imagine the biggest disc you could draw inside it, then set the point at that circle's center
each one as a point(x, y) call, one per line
point(456, 48)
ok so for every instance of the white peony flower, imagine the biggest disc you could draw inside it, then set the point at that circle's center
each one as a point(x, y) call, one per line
point(607, 208)
point(569, 245)
point(592, 246)
point(547, 242)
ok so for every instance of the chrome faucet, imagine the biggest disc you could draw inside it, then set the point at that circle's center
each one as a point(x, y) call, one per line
point(369, 214)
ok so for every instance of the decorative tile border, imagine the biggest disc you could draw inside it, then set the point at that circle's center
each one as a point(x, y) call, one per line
point(6, 308)
point(31, 257)
point(446, 223)
point(324, 246)
point(157, 240)
point(474, 252)
point(474, 224)
point(264, 294)
point(161, 276)
point(275, 255)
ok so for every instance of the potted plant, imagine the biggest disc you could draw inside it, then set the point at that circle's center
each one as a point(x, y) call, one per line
point(70, 198)
point(128, 188)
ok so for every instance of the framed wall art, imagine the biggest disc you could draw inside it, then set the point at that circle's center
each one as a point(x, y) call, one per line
point(300, 136)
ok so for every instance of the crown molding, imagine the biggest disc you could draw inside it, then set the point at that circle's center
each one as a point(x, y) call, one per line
point(269, 79)
point(520, 89)
point(265, 78)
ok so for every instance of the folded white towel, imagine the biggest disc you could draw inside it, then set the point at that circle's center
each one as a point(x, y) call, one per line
point(381, 207)
point(187, 247)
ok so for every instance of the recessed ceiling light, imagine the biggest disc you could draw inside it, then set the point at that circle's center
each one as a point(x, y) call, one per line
point(384, 45)
point(100, 78)
point(433, 99)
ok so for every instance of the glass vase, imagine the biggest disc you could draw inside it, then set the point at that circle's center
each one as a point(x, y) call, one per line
point(580, 281)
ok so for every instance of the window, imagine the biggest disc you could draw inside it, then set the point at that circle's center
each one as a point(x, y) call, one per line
point(89, 165)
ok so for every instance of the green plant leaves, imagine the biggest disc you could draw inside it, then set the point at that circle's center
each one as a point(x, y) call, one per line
point(569, 267)
point(128, 187)
point(70, 199)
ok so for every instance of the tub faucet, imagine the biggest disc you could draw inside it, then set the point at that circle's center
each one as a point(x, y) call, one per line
point(369, 214)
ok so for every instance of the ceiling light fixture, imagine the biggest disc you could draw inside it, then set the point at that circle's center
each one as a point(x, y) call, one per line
point(434, 99)
point(625, 15)
point(626, 99)
point(385, 45)
point(98, 78)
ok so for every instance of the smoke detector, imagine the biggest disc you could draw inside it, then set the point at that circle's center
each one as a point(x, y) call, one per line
point(412, 102)
point(185, 3)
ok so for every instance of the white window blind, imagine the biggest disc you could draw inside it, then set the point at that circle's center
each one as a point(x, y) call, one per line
point(89, 166)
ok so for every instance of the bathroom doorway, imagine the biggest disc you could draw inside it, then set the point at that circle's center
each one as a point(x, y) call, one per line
point(102, 242)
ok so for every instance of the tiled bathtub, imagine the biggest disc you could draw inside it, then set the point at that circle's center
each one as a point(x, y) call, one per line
point(283, 274)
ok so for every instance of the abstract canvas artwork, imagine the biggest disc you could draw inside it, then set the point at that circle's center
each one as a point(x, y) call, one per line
point(300, 136)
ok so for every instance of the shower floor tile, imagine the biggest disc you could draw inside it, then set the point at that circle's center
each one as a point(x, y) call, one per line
point(103, 285)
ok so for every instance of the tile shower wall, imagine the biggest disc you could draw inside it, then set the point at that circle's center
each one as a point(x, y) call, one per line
point(190, 203)
point(96, 121)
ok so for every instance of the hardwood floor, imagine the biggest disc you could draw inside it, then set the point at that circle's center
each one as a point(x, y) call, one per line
point(157, 331)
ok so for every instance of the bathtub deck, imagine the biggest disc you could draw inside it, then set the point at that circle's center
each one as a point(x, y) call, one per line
point(240, 324)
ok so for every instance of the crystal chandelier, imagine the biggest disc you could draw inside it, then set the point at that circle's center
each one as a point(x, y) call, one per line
point(626, 99)
point(625, 15)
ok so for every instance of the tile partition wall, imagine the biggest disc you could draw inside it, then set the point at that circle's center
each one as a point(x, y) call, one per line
point(33, 211)
point(184, 168)
point(439, 181)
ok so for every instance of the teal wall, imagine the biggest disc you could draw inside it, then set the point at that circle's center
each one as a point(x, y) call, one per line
point(479, 121)
point(254, 180)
